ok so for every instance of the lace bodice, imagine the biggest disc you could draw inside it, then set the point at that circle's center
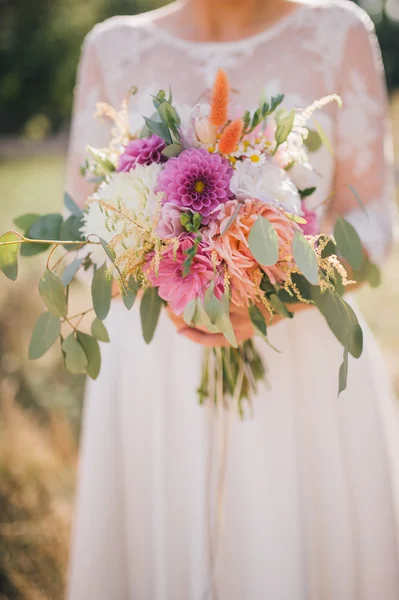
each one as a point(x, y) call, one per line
point(323, 46)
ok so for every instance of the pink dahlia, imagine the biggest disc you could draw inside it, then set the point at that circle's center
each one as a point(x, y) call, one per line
point(196, 180)
point(176, 289)
point(143, 152)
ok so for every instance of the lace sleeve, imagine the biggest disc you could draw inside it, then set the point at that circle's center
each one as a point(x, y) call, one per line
point(363, 149)
point(85, 129)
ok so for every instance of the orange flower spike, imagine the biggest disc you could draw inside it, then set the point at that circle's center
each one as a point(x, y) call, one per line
point(220, 99)
point(231, 136)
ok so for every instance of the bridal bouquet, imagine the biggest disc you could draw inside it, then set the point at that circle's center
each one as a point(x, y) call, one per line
point(201, 209)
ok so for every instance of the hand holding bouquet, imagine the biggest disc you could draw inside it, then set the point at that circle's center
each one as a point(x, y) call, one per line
point(204, 210)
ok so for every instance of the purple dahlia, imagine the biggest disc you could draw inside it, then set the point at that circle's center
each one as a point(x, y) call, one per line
point(143, 152)
point(196, 180)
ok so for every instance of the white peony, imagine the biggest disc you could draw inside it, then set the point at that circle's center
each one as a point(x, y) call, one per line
point(268, 182)
point(135, 190)
point(304, 176)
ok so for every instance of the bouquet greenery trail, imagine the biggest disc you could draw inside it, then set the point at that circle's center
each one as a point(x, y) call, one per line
point(201, 210)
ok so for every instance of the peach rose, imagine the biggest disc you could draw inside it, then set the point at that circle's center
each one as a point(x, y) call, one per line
point(245, 273)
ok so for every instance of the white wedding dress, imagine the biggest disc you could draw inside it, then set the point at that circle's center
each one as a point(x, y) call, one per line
point(310, 490)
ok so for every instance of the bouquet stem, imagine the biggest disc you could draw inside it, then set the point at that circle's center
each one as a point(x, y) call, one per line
point(231, 373)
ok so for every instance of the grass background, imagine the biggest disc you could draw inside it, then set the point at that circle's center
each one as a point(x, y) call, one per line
point(40, 403)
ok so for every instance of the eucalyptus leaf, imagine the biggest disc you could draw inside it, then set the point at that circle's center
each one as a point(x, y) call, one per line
point(46, 227)
point(93, 354)
point(9, 256)
point(285, 124)
point(219, 315)
point(45, 334)
point(305, 258)
point(263, 242)
point(130, 294)
point(159, 129)
point(71, 270)
point(189, 312)
point(313, 141)
point(368, 272)
point(258, 321)
point(70, 232)
point(324, 138)
point(343, 370)
point(52, 292)
point(304, 287)
point(173, 149)
point(108, 250)
point(150, 309)
point(75, 357)
point(26, 221)
point(279, 306)
point(71, 205)
point(99, 331)
point(348, 243)
point(101, 292)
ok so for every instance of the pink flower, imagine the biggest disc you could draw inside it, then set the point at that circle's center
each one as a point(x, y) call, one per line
point(143, 152)
point(311, 227)
point(176, 289)
point(169, 225)
point(232, 247)
point(196, 180)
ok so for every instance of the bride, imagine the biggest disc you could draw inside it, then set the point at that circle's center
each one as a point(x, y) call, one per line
point(310, 485)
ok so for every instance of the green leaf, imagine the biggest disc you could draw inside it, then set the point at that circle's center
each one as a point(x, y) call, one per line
point(343, 370)
point(131, 292)
point(24, 222)
point(52, 292)
point(75, 357)
point(45, 334)
point(313, 141)
point(108, 250)
point(218, 312)
point(70, 232)
point(275, 102)
point(358, 198)
point(93, 354)
point(46, 227)
point(304, 287)
point(279, 306)
point(305, 257)
point(159, 129)
point(348, 243)
point(285, 124)
point(9, 256)
point(368, 272)
point(101, 292)
point(99, 331)
point(173, 149)
point(263, 242)
point(71, 270)
point(189, 312)
point(150, 309)
point(71, 205)
point(307, 192)
point(341, 319)
point(258, 321)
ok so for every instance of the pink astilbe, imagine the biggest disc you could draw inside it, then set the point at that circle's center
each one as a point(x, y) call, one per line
point(175, 288)
point(245, 273)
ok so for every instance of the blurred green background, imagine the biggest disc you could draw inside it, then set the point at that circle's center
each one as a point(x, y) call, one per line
point(40, 403)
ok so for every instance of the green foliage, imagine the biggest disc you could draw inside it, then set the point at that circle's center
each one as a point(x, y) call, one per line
point(258, 321)
point(71, 270)
point(150, 309)
point(263, 242)
point(52, 291)
point(305, 257)
point(92, 351)
point(47, 227)
point(101, 292)
point(9, 256)
point(75, 357)
point(285, 123)
point(45, 334)
point(99, 331)
point(313, 141)
point(130, 294)
point(348, 242)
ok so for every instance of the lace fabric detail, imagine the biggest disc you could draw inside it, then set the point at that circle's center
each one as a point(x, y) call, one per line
point(323, 46)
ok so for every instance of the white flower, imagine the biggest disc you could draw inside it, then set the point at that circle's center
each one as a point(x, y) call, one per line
point(189, 118)
point(269, 183)
point(303, 175)
point(135, 190)
point(255, 157)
